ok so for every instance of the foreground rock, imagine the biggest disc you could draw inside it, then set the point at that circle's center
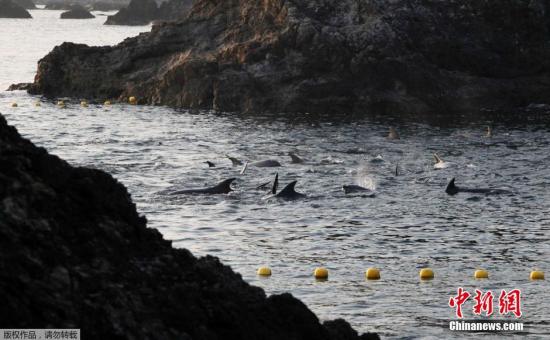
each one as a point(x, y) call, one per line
point(321, 56)
point(74, 253)
point(8, 9)
point(77, 12)
point(138, 12)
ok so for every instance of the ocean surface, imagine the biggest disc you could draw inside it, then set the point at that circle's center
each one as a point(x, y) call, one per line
point(410, 224)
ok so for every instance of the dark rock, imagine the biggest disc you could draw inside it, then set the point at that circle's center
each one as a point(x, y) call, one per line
point(321, 56)
point(20, 87)
point(77, 12)
point(74, 253)
point(59, 5)
point(26, 4)
point(172, 10)
point(8, 9)
point(103, 6)
point(142, 12)
point(138, 12)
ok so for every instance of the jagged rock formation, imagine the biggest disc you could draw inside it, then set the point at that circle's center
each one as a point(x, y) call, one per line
point(77, 12)
point(349, 56)
point(8, 9)
point(138, 12)
point(74, 253)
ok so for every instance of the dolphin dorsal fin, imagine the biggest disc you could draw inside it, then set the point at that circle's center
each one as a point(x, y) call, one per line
point(288, 190)
point(451, 187)
point(275, 184)
point(244, 168)
point(234, 160)
point(437, 159)
point(225, 186)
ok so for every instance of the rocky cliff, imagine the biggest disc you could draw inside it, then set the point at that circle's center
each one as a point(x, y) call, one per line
point(404, 56)
point(9, 9)
point(74, 253)
point(26, 4)
point(143, 12)
point(77, 12)
point(138, 12)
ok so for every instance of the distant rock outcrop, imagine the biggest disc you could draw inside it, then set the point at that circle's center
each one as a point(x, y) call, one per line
point(26, 4)
point(105, 6)
point(320, 56)
point(138, 12)
point(59, 5)
point(8, 9)
point(74, 253)
point(77, 12)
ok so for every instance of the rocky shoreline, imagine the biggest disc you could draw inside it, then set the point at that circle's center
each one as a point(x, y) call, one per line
point(9, 9)
point(320, 56)
point(74, 253)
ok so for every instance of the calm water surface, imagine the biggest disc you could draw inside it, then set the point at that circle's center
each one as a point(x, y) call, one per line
point(410, 224)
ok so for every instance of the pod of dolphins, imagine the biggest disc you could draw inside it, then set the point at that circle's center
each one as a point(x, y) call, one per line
point(289, 192)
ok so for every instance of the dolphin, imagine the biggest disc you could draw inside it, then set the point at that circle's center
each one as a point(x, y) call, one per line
point(288, 192)
point(452, 189)
point(268, 163)
point(350, 189)
point(295, 158)
point(393, 134)
point(210, 164)
point(263, 186)
point(439, 163)
point(243, 170)
point(234, 160)
point(222, 188)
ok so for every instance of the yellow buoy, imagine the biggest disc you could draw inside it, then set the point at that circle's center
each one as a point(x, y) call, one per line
point(61, 103)
point(372, 274)
point(481, 274)
point(132, 100)
point(320, 273)
point(536, 275)
point(84, 103)
point(13, 104)
point(426, 274)
point(264, 271)
point(107, 103)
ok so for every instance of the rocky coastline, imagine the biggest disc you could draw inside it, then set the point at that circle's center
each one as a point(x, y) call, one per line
point(77, 12)
point(9, 9)
point(74, 253)
point(320, 56)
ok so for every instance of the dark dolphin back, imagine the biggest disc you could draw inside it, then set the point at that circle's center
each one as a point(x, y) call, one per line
point(289, 192)
point(275, 184)
point(223, 187)
point(451, 188)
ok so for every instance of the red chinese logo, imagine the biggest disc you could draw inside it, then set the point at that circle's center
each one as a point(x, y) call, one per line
point(508, 302)
point(457, 301)
point(484, 302)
